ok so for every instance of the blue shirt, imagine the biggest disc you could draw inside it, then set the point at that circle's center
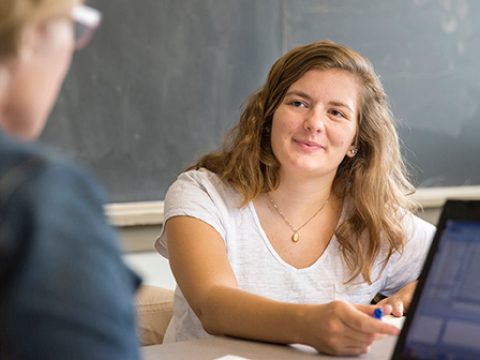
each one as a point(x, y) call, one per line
point(65, 292)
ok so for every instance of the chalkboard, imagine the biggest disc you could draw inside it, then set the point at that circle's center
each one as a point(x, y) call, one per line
point(163, 80)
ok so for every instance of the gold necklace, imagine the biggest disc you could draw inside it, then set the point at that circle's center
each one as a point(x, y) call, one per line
point(295, 236)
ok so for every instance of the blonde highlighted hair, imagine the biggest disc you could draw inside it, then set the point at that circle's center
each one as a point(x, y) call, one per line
point(375, 179)
point(17, 15)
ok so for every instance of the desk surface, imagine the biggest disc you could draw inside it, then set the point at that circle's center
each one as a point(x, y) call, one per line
point(216, 347)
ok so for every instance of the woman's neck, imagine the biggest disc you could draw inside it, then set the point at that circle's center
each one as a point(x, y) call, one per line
point(300, 197)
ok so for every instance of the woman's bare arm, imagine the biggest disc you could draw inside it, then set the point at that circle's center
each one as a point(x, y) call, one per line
point(199, 262)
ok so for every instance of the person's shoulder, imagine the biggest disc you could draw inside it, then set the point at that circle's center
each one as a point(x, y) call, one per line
point(39, 168)
point(202, 179)
point(202, 186)
point(14, 153)
point(210, 182)
point(415, 221)
point(200, 175)
point(416, 227)
point(68, 178)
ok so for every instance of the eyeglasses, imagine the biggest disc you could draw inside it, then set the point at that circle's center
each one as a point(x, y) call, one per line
point(87, 20)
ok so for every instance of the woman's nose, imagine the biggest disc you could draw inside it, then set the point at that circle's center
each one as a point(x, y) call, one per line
point(314, 123)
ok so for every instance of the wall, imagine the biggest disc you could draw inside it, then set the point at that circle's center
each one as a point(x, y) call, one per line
point(162, 81)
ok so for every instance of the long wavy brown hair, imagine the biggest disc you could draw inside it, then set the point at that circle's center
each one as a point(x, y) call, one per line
point(375, 179)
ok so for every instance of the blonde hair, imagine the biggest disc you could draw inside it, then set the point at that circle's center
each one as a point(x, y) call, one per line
point(17, 15)
point(375, 178)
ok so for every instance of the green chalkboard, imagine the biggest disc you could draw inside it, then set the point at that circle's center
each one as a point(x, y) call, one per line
point(162, 81)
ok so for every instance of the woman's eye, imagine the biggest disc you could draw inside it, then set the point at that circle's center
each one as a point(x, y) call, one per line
point(336, 113)
point(298, 104)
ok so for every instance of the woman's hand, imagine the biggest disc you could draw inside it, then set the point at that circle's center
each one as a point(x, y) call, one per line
point(341, 328)
point(401, 300)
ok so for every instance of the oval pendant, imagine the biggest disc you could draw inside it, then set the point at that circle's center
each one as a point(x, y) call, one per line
point(295, 237)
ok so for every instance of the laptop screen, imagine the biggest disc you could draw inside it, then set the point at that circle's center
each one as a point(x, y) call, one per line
point(446, 324)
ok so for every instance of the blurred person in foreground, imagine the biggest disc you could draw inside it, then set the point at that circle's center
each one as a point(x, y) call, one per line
point(64, 291)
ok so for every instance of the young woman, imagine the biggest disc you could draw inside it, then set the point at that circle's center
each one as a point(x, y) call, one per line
point(288, 232)
point(64, 290)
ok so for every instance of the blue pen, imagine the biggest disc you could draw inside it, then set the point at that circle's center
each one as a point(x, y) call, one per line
point(378, 313)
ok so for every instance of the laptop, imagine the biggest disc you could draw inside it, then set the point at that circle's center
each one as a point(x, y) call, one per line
point(443, 320)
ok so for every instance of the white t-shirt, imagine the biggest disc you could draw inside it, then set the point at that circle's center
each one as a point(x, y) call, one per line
point(260, 270)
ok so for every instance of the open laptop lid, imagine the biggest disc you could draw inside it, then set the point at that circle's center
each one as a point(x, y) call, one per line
point(443, 320)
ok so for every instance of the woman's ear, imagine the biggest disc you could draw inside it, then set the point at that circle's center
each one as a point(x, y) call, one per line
point(33, 39)
point(3, 78)
point(352, 151)
point(29, 44)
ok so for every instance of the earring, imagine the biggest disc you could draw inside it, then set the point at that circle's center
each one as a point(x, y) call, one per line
point(354, 151)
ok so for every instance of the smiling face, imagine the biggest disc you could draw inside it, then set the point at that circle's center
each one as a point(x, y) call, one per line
point(314, 127)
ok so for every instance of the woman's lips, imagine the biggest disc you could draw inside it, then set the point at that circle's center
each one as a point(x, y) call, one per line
point(309, 146)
